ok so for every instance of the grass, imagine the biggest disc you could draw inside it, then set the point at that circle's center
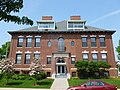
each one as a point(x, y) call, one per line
point(77, 82)
point(45, 83)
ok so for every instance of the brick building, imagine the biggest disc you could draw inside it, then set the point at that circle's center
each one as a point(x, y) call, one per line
point(60, 44)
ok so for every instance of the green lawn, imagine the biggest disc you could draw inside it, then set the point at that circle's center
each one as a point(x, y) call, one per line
point(45, 83)
point(76, 82)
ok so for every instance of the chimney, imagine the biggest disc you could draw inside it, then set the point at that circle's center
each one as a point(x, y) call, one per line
point(75, 18)
point(46, 17)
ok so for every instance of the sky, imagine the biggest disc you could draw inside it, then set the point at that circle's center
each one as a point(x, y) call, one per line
point(98, 13)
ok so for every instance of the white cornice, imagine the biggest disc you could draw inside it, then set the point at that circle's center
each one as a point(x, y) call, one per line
point(94, 51)
point(27, 52)
point(101, 35)
point(36, 52)
point(103, 51)
point(19, 51)
point(85, 51)
point(84, 35)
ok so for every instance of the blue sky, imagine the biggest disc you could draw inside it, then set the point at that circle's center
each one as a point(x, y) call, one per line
point(99, 13)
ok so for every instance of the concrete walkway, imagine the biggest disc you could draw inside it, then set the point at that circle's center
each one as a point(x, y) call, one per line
point(22, 89)
point(60, 84)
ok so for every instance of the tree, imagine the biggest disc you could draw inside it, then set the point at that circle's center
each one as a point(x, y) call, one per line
point(118, 50)
point(4, 51)
point(82, 68)
point(36, 68)
point(88, 69)
point(7, 68)
point(7, 7)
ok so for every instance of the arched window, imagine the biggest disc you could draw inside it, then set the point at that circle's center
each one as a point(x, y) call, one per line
point(61, 45)
point(72, 43)
point(49, 43)
point(60, 61)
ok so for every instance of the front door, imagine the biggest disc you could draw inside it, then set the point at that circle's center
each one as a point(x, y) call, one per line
point(61, 70)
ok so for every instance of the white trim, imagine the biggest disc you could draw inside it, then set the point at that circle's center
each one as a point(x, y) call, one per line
point(113, 69)
point(94, 51)
point(92, 35)
point(36, 52)
point(29, 36)
point(84, 35)
point(37, 36)
point(60, 63)
point(27, 52)
point(85, 51)
point(47, 69)
point(22, 68)
point(101, 35)
point(20, 36)
point(73, 68)
point(49, 56)
point(19, 51)
point(73, 56)
point(103, 51)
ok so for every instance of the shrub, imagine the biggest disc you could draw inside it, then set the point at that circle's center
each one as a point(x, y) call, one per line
point(19, 76)
point(1, 75)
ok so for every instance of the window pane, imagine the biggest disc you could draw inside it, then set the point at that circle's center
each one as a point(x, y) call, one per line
point(72, 60)
point(95, 57)
point(27, 58)
point(49, 43)
point(72, 43)
point(84, 42)
point(73, 74)
point(48, 60)
point(61, 45)
point(85, 56)
point(28, 42)
point(37, 42)
point(20, 41)
point(102, 42)
point(93, 42)
point(18, 58)
point(104, 57)
point(37, 56)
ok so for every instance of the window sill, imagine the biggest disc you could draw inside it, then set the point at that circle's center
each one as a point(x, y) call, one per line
point(37, 47)
point(103, 47)
point(19, 47)
point(84, 47)
point(93, 47)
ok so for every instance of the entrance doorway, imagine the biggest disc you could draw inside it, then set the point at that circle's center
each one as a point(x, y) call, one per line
point(60, 68)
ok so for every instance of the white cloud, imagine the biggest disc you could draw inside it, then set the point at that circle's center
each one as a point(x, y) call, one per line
point(105, 16)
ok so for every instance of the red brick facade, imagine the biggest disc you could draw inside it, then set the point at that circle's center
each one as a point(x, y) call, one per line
point(70, 51)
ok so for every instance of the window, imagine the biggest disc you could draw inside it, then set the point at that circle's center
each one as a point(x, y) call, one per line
point(73, 74)
point(28, 42)
point(85, 56)
point(61, 45)
point(72, 60)
point(102, 41)
point(75, 25)
point(95, 57)
point(98, 83)
point(72, 43)
point(46, 25)
point(48, 74)
point(84, 41)
point(48, 60)
point(105, 74)
point(104, 57)
point(93, 41)
point(60, 61)
point(90, 84)
point(27, 58)
point(37, 41)
point(18, 58)
point(37, 56)
point(20, 42)
point(49, 43)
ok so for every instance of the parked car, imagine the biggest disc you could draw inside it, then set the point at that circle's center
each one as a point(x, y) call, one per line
point(94, 85)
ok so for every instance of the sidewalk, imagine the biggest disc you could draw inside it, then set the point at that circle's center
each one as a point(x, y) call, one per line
point(22, 89)
point(60, 84)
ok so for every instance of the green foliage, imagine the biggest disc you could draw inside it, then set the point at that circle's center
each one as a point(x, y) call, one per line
point(1, 76)
point(20, 76)
point(88, 69)
point(7, 7)
point(118, 50)
point(4, 50)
